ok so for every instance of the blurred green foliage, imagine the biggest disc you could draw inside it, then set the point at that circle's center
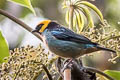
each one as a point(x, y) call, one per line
point(112, 12)
point(4, 49)
point(2, 3)
point(114, 74)
point(25, 3)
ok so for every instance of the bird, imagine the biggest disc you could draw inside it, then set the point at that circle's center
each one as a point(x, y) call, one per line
point(65, 42)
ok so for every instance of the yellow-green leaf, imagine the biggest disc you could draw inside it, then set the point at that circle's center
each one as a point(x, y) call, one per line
point(90, 5)
point(4, 50)
point(88, 16)
point(67, 16)
point(64, 5)
point(25, 3)
point(114, 74)
point(80, 20)
point(74, 21)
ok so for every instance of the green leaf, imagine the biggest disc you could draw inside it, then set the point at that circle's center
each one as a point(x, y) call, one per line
point(67, 16)
point(25, 3)
point(4, 50)
point(114, 74)
point(74, 20)
point(88, 4)
point(80, 20)
point(88, 16)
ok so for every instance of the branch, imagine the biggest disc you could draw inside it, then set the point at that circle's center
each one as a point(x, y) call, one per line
point(84, 73)
point(47, 72)
point(16, 20)
point(74, 70)
point(108, 38)
point(99, 72)
point(78, 72)
point(67, 74)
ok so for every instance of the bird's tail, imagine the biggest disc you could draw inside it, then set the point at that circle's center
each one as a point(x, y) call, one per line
point(106, 49)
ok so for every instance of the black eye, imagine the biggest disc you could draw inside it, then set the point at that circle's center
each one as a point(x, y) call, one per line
point(39, 26)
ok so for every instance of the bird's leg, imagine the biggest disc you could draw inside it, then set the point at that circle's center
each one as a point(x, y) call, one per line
point(67, 64)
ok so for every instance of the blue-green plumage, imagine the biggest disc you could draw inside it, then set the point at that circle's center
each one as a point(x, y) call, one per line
point(65, 48)
point(66, 43)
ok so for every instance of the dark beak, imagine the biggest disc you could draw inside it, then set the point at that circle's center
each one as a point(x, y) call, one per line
point(34, 31)
point(37, 31)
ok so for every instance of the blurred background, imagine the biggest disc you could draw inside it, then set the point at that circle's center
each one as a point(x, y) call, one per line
point(52, 9)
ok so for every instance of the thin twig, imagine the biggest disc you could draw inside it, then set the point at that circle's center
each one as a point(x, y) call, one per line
point(47, 72)
point(99, 72)
point(108, 38)
point(16, 20)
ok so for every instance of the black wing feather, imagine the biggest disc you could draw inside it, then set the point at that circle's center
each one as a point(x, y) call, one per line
point(62, 33)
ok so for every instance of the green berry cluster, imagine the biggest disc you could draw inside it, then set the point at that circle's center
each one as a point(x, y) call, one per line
point(106, 36)
point(25, 63)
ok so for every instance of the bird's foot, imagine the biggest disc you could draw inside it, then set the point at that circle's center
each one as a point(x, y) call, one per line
point(67, 64)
